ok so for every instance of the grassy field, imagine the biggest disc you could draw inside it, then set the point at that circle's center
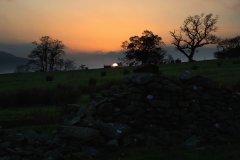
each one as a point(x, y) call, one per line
point(16, 120)
point(227, 73)
point(220, 152)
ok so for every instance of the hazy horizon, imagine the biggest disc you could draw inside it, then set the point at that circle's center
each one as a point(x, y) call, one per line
point(104, 58)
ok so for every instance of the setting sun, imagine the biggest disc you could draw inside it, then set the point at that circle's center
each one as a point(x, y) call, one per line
point(115, 65)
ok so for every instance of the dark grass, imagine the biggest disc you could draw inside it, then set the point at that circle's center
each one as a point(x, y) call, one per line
point(48, 118)
point(214, 152)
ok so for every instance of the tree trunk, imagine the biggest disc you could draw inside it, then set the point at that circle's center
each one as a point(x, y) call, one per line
point(190, 59)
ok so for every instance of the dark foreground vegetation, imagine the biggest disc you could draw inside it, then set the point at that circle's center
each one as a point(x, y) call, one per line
point(32, 101)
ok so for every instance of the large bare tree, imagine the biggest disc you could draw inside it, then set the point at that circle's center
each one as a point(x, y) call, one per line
point(196, 32)
point(46, 54)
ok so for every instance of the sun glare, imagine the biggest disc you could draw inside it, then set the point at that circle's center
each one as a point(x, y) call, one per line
point(114, 64)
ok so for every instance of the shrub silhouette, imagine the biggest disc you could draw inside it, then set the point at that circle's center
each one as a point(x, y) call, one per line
point(107, 66)
point(66, 94)
point(178, 60)
point(194, 67)
point(236, 86)
point(236, 62)
point(107, 85)
point(92, 81)
point(103, 73)
point(49, 78)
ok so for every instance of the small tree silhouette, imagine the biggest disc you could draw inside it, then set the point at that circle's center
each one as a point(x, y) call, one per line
point(145, 49)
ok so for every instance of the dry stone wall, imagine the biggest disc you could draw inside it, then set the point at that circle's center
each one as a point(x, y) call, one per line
point(146, 109)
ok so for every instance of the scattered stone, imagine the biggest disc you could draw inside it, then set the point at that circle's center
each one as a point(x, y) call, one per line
point(115, 130)
point(81, 134)
point(193, 142)
point(146, 109)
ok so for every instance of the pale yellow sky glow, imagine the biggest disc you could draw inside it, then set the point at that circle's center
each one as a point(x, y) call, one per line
point(102, 25)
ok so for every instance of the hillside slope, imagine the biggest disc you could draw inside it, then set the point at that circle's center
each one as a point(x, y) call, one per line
point(9, 62)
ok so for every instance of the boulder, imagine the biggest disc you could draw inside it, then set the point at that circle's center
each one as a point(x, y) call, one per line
point(81, 134)
point(115, 130)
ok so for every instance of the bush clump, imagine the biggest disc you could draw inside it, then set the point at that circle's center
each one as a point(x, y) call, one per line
point(103, 73)
point(49, 78)
point(126, 71)
point(107, 66)
point(236, 62)
point(194, 67)
point(178, 60)
point(92, 81)
point(236, 86)
point(66, 94)
point(107, 85)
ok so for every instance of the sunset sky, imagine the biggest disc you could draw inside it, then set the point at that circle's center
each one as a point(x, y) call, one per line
point(95, 29)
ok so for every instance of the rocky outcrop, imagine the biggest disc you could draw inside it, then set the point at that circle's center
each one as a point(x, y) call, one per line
point(146, 109)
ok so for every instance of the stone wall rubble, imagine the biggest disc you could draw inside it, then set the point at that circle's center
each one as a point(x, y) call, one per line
point(146, 109)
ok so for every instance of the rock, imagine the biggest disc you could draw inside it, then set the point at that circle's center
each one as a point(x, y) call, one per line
point(142, 78)
point(151, 128)
point(165, 104)
point(195, 108)
point(192, 142)
point(55, 154)
point(126, 140)
point(130, 109)
point(111, 145)
point(31, 137)
point(151, 141)
point(183, 104)
point(192, 95)
point(146, 68)
point(90, 110)
point(207, 96)
point(186, 76)
point(73, 107)
point(81, 134)
point(155, 103)
point(91, 151)
point(72, 121)
point(122, 119)
point(115, 130)
point(1, 131)
point(105, 109)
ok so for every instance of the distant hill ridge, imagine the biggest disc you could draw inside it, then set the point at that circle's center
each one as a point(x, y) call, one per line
point(9, 62)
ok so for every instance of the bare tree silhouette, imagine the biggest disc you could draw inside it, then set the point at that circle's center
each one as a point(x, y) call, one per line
point(197, 32)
